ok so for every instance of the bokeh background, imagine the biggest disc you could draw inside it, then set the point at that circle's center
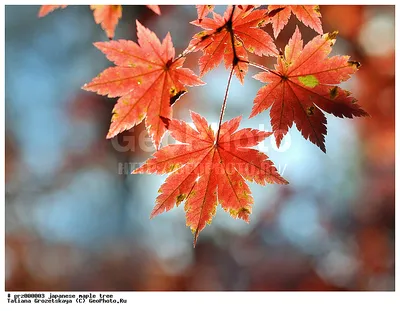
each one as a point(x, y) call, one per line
point(76, 221)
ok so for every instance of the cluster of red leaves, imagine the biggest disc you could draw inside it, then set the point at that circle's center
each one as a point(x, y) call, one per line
point(208, 168)
point(228, 38)
point(105, 15)
point(309, 15)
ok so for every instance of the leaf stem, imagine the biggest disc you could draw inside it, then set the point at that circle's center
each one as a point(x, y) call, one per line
point(224, 104)
point(259, 66)
point(227, 25)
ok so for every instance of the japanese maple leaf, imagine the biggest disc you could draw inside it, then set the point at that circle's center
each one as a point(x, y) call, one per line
point(203, 10)
point(309, 15)
point(207, 169)
point(146, 78)
point(105, 15)
point(228, 37)
point(46, 9)
point(304, 83)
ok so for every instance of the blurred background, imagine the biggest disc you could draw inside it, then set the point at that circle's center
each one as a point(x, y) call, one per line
point(76, 220)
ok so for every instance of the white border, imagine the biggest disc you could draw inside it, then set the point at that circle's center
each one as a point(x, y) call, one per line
point(210, 300)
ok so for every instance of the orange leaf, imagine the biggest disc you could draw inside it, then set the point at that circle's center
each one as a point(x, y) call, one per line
point(223, 32)
point(107, 16)
point(206, 170)
point(46, 9)
point(309, 15)
point(203, 10)
point(303, 82)
point(147, 80)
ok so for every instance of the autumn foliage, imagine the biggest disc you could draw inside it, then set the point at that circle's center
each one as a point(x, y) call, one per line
point(223, 160)
point(105, 15)
point(304, 82)
point(207, 167)
point(146, 79)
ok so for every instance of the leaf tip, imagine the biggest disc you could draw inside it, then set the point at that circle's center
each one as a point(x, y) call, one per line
point(155, 8)
point(196, 236)
point(283, 181)
point(279, 134)
point(152, 215)
point(193, 114)
point(86, 87)
point(110, 135)
point(139, 25)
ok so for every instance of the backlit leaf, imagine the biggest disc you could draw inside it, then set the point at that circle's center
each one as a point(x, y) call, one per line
point(205, 170)
point(303, 84)
point(309, 15)
point(146, 79)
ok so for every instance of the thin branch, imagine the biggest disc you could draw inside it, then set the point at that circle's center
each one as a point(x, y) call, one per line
point(224, 104)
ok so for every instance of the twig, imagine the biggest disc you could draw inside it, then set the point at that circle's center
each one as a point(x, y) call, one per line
point(224, 104)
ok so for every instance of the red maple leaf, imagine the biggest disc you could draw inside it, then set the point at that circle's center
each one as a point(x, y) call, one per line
point(228, 37)
point(207, 169)
point(146, 78)
point(105, 15)
point(303, 82)
point(203, 10)
point(46, 9)
point(309, 15)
